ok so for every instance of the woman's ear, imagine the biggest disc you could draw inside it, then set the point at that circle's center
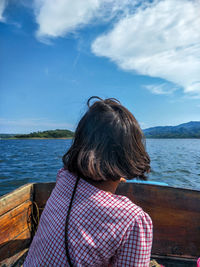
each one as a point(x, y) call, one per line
point(122, 180)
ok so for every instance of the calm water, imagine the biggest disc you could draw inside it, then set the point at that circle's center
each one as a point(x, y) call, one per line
point(174, 161)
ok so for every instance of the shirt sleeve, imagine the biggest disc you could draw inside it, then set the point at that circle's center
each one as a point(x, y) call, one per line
point(135, 249)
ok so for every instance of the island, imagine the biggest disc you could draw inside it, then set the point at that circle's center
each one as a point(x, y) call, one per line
point(58, 133)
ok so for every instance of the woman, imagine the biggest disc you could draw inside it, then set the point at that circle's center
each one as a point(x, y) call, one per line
point(84, 222)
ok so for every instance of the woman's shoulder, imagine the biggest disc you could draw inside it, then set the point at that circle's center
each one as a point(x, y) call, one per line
point(61, 173)
point(134, 218)
point(128, 208)
point(64, 177)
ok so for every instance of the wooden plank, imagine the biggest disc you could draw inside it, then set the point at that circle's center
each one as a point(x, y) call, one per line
point(174, 261)
point(15, 198)
point(42, 192)
point(12, 260)
point(14, 222)
point(10, 252)
point(175, 214)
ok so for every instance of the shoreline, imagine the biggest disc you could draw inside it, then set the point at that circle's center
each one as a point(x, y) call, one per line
point(36, 138)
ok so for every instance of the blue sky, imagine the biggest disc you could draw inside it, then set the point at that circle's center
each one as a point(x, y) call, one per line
point(54, 55)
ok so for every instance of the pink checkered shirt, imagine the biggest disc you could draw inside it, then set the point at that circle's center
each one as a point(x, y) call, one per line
point(104, 229)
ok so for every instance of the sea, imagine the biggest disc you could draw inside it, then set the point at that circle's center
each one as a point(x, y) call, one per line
point(175, 162)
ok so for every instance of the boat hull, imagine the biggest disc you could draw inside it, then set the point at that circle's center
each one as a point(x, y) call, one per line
point(175, 214)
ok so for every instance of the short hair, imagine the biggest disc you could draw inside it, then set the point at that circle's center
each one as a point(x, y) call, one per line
point(108, 144)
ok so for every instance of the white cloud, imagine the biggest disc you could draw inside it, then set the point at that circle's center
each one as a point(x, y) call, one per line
point(56, 18)
point(60, 17)
point(161, 89)
point(161, 40)
point(3, 4)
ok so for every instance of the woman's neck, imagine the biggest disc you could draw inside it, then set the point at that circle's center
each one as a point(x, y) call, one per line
point(108, 186)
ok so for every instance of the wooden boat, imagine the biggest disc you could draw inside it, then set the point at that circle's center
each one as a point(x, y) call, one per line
point(175, 214)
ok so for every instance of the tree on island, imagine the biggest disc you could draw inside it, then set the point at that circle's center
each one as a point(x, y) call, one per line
point(48, 134)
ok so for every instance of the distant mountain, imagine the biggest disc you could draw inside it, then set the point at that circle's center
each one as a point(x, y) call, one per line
point(48, 134)
point(185, 130)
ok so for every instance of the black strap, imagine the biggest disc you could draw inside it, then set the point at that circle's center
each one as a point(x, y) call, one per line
point(67, 222)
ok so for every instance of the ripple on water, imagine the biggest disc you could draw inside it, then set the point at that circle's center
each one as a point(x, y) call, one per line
point(175, 162)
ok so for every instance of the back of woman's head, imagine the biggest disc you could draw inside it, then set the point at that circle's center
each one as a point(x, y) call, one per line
point(108, 144)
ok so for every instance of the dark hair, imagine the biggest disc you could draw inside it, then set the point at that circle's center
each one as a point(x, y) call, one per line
point(108, 144)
